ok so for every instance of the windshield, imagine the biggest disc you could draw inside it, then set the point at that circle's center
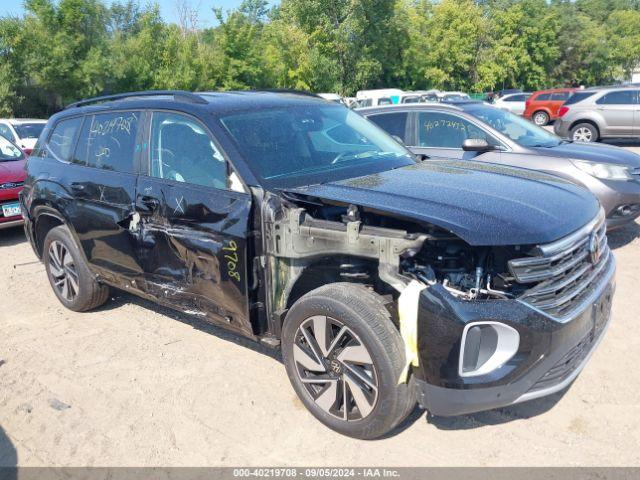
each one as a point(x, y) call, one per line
point(28, 130)
point(8, 151)
point(310, 144)
point(516, 128)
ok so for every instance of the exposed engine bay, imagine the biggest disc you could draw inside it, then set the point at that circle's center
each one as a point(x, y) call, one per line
point(403, 251)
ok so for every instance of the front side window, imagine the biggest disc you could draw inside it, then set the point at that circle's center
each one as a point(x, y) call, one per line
point(8, 151)
point(516, 128)
point(109, 141)
point(444, 130)
point(310, 144)
point(393, 123)
point(182, 151)
point(620, 97)
point(63, 138)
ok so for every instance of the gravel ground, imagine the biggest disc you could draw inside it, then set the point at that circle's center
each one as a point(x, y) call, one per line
point(133, 384)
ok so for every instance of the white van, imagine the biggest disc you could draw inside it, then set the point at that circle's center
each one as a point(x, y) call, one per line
point(381, 96)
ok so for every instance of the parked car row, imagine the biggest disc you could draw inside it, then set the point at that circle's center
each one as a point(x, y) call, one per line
point(392, 96)
point(443, 274)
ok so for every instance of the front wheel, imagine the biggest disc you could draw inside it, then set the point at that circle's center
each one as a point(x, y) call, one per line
point(584, 132)
point(344, 357)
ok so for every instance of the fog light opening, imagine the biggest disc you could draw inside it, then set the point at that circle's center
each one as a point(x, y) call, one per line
point(485, 347)
point(625, 210)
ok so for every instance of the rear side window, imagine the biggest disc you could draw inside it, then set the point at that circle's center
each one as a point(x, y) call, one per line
point(560, 96)
point(620, 97)
point(542, 97)
point(108, 141)
point(63, 137)
point(392, 123)
point(578, 97)
point(516, 98)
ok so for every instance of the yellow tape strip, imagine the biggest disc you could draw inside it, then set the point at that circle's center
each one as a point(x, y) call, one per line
point(408, 314)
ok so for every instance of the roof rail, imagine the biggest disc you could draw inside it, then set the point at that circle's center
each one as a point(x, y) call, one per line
point(290, 90)
point(177, 95)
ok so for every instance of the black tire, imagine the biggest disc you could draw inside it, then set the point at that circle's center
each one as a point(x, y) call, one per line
point(89, 294)
point(364, 314)
point(585, 132)
point(540, 118)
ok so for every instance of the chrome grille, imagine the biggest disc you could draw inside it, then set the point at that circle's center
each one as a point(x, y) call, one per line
point(563, 273)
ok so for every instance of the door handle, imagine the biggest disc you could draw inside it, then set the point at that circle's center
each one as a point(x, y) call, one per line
point(151, 203)
point(77, 187)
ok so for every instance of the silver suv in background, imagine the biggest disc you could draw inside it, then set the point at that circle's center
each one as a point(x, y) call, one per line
point(595, 114)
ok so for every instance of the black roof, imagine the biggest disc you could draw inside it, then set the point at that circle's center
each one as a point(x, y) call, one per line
point(218, 101)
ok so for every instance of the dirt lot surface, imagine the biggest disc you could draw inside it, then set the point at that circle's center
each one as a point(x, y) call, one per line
point(133, 384)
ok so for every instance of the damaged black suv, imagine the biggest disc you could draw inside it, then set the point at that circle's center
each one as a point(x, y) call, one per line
point(295, 222)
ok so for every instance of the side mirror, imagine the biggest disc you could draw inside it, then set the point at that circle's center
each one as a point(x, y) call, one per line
point(477, 145)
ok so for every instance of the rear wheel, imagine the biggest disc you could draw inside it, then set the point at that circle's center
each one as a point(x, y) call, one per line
point(584, 132)
point(541, 118)
point(69, 276)
point(344, 356)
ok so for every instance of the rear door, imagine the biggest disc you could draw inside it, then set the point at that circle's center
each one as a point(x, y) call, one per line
point(102, 177)
point(194, 223)
point(618, 109)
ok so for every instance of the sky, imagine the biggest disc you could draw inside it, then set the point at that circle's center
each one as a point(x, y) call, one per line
point(167, 8)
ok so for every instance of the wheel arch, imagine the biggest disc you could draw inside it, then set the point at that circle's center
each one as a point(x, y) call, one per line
point(586, 120)
point(45, 218)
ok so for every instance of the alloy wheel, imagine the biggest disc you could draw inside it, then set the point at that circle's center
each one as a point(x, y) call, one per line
point(582, 134)
point(540, 119)
point(336, 368)
point(63, 271)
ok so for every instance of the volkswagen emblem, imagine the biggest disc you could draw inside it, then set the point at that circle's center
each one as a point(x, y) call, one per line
point(594, 248)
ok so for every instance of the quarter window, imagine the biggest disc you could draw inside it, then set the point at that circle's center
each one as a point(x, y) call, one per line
point(442, 130)
point(63, 138)
point(542, 97)
point(560, 96)
point(182, 151)
point(393, 123)
point(109, 141)
point(620, 97)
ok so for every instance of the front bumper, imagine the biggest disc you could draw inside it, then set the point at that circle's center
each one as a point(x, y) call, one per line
point(550, 356)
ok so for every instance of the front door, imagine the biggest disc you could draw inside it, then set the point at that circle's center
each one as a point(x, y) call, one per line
point(618, 109)
point(441, 134)
point(194, 221)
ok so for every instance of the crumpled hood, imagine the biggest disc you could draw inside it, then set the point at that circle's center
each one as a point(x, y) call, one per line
point(12, 171)
point(593, 152)
point(484, 204)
